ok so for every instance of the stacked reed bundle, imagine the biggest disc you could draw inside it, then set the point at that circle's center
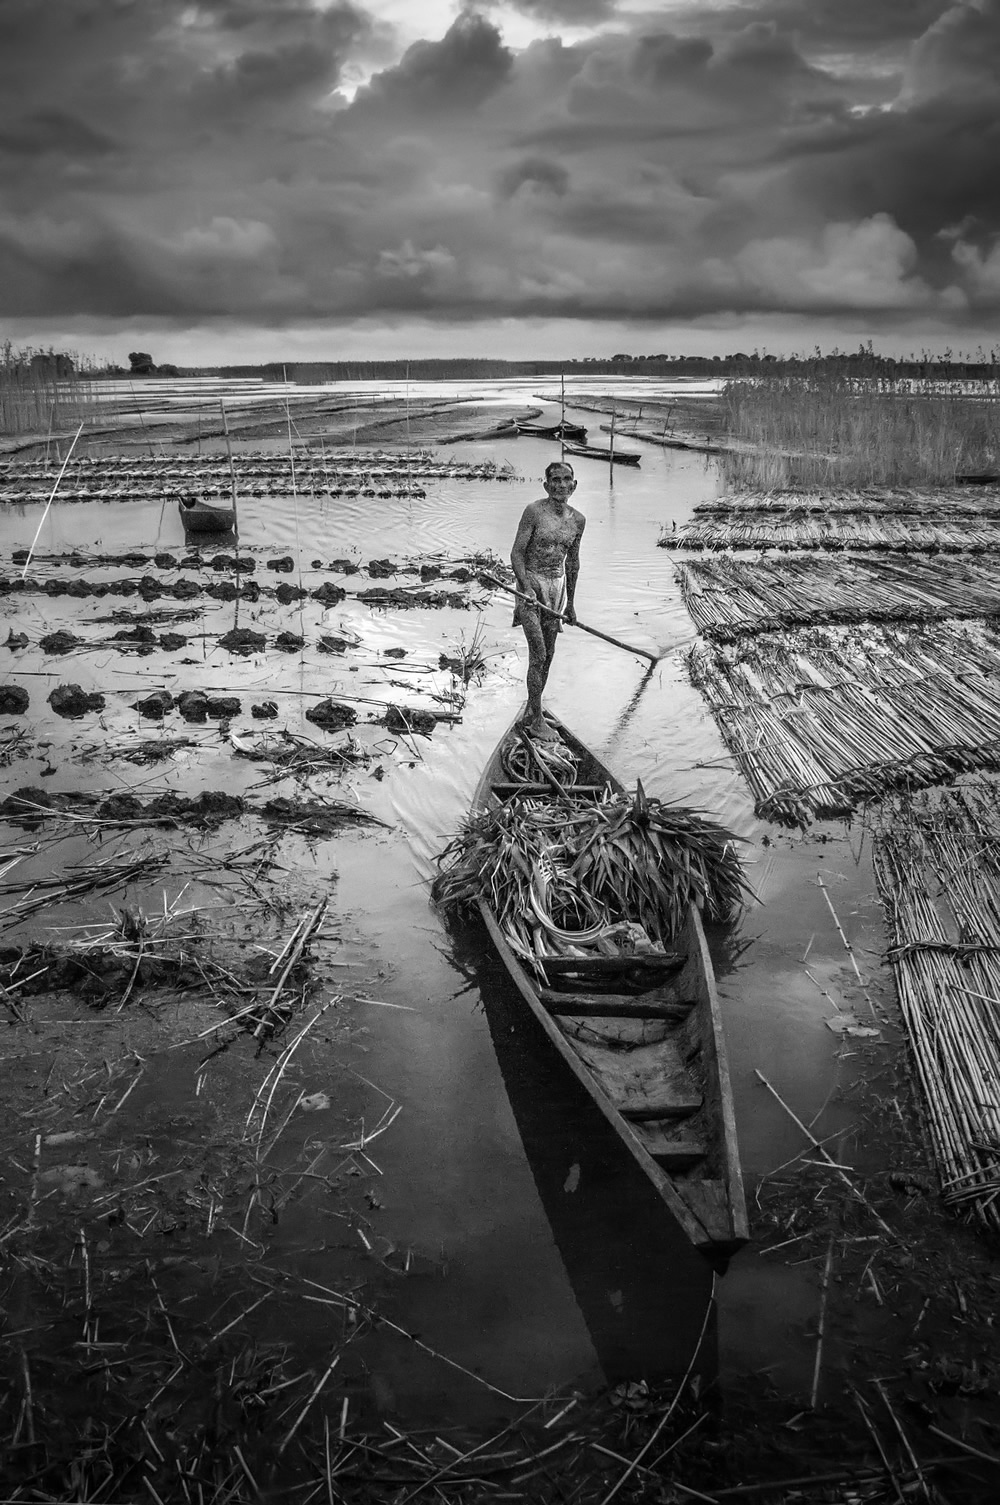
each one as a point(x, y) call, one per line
point(937, 864)
point(945, 501)
point(820, 720)
point(727, 597)
point(798, 529)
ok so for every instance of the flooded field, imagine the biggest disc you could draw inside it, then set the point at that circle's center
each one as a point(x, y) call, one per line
point(390, 1138)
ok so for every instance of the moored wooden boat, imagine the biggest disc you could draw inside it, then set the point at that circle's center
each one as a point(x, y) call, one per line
point(643, 1033)
point(563, 430)
point(198, 517)
point(595, 452)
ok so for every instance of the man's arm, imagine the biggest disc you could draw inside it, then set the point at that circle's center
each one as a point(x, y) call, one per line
point(572, 571)
point(519, 552)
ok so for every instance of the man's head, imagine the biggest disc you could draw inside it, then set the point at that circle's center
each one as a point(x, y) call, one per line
point(560, 482)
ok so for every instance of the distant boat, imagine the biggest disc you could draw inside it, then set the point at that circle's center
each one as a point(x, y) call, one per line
point(574, 431)
point(595, 452)
point(198, 517)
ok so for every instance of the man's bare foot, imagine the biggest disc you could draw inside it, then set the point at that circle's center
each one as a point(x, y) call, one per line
point(540, 730)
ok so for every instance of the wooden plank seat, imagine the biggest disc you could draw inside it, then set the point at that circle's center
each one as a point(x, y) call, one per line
point(669, 1149)
point(650, 1081)
point(616, 1005)
point(611, 974)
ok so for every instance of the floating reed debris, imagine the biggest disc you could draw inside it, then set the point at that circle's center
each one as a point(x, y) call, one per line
point(798, 529)
point(727, 597)
point(937, 864)
point(820, 720)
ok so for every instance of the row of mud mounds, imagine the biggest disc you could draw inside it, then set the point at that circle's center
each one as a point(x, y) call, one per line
point(197, 707)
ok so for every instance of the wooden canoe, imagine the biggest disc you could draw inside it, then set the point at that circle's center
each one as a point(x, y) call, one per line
point(574, 431)
point(643, 1034)
point(595, 452)
point(199, 517)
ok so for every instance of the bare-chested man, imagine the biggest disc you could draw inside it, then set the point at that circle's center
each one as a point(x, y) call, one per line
point(546, 560)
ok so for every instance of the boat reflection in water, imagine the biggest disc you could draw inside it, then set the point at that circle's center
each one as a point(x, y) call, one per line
point(642, 1288)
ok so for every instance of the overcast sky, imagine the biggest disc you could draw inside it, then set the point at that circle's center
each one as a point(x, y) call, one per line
point(229, 180)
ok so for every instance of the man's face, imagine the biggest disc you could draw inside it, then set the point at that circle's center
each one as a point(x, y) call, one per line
point(560, 483)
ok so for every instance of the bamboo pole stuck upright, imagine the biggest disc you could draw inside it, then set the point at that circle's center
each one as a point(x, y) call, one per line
point(52, 493)
point(611, 452)
point(562, 416)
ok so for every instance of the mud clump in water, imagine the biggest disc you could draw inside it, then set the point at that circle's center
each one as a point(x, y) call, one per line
point(14, 700)
point(72, 701)
point(193, 706)
point(173, 640)
point(242, 640)
point(120, 807)
point(289, 642)
point(394, 652)
point(332, 716)
point(285, 564)
point(329, 644)
point(430, 572)
point(219, 706)
point(58, 642)
point(286, 594)
point(344, 566)
point(155, 706)
point(329, 594)
point(381, 569)
point(27, 806)
point(222, 590)
point(16, 640)
point(404, 719)
point(185, 590)
point(165, 561)
point(266, 710)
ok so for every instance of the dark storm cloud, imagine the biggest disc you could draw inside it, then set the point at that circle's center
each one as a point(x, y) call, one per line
point(535, 172)
point(46, 131)
point(200, 163)
point(456, 74)
point(568, 12)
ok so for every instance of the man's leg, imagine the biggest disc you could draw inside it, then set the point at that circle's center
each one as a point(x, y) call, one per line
point(540, 651)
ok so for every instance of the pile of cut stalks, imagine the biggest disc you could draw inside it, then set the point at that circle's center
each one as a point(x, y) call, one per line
point(605, 878)
point(937, 864)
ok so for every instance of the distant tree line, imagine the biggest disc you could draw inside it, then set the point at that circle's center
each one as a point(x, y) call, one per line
point(864, 362)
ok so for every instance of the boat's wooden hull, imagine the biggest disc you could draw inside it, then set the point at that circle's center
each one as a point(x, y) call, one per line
point(574, 431)
point(651, 1056)
point(200, 518)
point(595, 452)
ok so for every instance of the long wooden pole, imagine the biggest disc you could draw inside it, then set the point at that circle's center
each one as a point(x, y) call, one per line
point(611, 452)
point(654, 658)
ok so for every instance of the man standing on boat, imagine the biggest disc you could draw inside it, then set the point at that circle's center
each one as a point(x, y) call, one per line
point(546, 561)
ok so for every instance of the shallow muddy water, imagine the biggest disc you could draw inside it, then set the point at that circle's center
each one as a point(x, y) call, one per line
point(547, 1261)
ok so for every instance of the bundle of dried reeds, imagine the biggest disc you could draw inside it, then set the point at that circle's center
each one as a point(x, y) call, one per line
point(936, 501)
point(937, 863)
point(797, 529)
point(820, 720)
point(727, 597)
